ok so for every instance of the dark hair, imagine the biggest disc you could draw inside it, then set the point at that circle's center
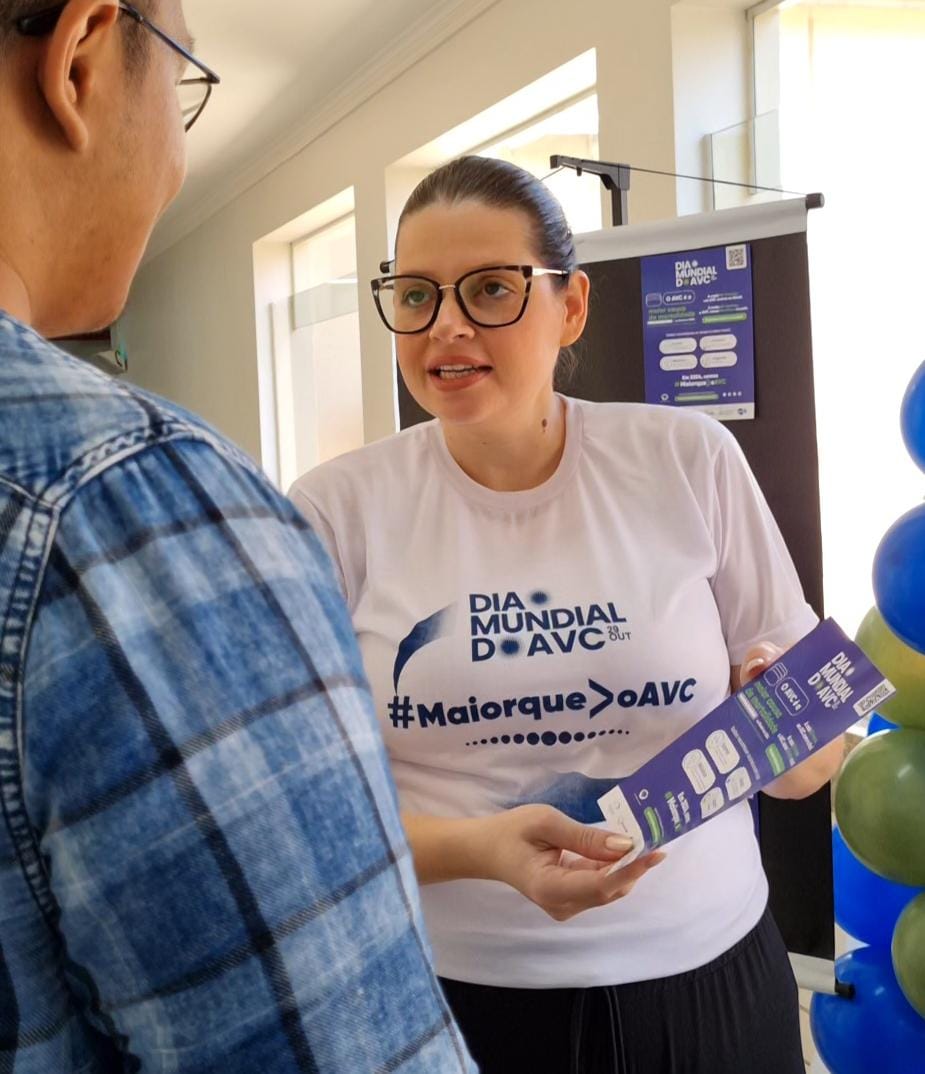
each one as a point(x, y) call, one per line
point(136, 50)
point(501, 185)
point(10, 11)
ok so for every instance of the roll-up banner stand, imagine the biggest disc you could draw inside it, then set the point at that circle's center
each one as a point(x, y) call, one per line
point(744, 340)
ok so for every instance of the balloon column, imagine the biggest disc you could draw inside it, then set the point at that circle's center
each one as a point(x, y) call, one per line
point(879, 844)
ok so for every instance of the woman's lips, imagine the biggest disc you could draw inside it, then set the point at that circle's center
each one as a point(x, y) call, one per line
point(454, 376)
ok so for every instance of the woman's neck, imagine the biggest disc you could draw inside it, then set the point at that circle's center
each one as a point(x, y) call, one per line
point(519, 453)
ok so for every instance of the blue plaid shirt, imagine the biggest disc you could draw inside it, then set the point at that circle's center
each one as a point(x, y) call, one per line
point(201, 861)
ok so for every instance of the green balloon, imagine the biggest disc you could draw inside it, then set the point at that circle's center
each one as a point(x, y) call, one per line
point(902, 665)
point(880, 804)
point(909, 953)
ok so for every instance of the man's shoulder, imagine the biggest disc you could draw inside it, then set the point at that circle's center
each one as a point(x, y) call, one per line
point(63, 420)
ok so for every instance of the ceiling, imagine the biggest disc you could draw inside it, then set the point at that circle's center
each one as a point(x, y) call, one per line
point(283, 65)
point(279, 61)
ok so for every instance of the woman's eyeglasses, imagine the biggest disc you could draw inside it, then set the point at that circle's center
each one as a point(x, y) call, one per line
point(194, 93)
point(489, 297)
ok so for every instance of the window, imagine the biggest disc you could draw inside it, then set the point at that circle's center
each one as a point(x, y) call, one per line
point(324, 389)
point(555, 114)
point(847, 81)
point(571, 131)
point(746, 153)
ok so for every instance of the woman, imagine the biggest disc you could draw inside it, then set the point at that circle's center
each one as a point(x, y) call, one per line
point(546, 593)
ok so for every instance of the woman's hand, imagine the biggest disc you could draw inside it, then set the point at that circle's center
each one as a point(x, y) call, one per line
point(808, 776)
point(757, 661)
point(526, 848)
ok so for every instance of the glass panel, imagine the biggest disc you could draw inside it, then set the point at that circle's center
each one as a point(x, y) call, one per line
point(851, 102)
point(746, 153)
point(328, 254)
point(321, 392)
point(573, 132)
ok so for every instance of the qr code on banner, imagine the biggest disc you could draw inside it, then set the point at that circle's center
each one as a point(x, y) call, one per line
point(872, 700)
point(737, 256)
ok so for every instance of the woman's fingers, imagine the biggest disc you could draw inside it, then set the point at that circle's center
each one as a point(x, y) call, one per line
point(758, 659)
point(561, 865)
point(562, 832)
point(568, 860)
point(569, 891)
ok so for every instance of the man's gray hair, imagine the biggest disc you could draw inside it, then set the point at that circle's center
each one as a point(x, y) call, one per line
point(135, 36)
point(11, 10)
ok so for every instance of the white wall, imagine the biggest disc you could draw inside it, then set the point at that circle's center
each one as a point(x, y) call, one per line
point(193, 323)
point(712, 90)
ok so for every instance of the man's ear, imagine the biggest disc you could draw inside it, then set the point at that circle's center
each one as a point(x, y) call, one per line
point(576, 307)
point(81, 44)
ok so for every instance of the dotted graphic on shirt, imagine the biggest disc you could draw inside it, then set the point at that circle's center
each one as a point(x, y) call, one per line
point(547, 738)
point(511, 646)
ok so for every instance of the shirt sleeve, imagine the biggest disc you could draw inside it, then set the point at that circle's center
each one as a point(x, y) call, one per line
point(325, 532)
point(232, 885)
point(756, 586)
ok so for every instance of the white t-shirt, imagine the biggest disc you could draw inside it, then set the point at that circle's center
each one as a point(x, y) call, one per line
point(523, 645)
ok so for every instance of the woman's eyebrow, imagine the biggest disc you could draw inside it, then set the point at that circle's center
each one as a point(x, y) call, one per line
point(478, 266)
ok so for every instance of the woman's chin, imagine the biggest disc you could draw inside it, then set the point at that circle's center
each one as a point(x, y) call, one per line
point(465, 405)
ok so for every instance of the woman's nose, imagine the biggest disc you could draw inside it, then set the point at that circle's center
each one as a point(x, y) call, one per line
point(451, 322)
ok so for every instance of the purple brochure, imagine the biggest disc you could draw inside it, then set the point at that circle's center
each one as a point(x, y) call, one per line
point(814, 693)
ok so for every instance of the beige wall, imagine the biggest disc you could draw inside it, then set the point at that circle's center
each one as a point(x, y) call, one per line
point(193, 324)
point(712, 90)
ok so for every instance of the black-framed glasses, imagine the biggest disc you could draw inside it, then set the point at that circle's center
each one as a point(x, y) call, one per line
point(491, 297)
point(194, 93)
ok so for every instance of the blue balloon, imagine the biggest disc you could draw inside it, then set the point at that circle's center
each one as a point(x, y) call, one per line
point(866, 905)
point(879, 723)
point(913, 417)
point(899, 578)
point(876, 1032)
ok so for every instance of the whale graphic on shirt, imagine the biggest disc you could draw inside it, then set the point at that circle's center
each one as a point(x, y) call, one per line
point(434, 627)
point(572, 793)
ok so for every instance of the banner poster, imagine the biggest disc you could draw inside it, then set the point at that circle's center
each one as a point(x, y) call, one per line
point(699, 331)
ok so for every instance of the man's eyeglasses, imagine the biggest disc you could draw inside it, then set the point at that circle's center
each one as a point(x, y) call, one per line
point(490, 297)
point(194, 93)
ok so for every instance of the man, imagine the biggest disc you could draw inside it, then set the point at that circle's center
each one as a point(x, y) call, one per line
point(201, 862)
